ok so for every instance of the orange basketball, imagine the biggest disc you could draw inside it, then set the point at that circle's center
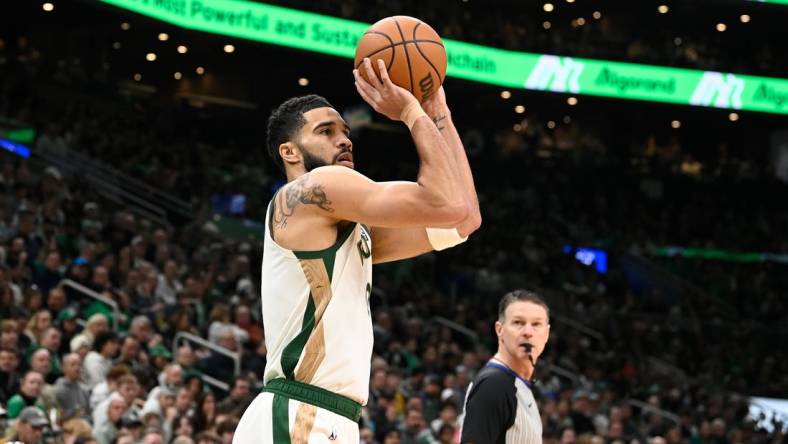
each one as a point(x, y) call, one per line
point(412, 51)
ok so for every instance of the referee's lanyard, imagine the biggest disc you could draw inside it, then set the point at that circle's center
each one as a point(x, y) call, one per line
point(508, 370)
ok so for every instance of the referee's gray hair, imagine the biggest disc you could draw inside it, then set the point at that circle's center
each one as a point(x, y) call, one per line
point(520, 295)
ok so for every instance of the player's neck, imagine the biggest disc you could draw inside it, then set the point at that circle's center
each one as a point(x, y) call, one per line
point(523, 369)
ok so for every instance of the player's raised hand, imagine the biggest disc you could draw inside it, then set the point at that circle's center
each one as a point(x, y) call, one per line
point(380, 92)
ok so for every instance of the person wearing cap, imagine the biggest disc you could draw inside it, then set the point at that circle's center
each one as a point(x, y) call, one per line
point(29, 427)
point(499, 406)
point(67, 321)
point(160, 356)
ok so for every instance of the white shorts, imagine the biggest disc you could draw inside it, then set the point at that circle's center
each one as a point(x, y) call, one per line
point(264, 423)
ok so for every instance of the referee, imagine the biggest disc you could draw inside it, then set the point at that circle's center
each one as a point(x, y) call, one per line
point(500, 407)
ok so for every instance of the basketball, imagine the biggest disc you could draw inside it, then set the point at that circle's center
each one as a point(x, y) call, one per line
point(412, 51)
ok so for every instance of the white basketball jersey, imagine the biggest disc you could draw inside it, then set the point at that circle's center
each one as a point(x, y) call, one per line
point(318, 327)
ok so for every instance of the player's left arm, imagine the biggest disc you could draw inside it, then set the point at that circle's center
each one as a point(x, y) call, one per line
point(438, 110)
point(393, 244)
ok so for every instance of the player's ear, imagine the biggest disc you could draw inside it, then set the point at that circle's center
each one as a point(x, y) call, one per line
point(498, 328)
point(290, 153)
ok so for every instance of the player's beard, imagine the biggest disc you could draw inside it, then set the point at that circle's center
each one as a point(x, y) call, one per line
point(311, 162)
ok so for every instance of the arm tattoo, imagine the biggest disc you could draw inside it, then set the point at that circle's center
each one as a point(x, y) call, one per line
point(437, 120)
point(300, 192)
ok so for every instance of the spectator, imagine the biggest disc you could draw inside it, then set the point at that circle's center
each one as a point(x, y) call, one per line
point(128, 389)
point(28, 396)
point(103, 389)
point(99, 360)
point(205, 412)
point(108, 430)
point(56, 300)
point(76, 428)
point(219, 365)
point(49, 274)
point(29, 426)
point(39, 322)
point(73, 398)
point(96, 324)
point(140, 329)
point(168, 285)
point(50, 341)
point(132, 357)
point(67, 323)
point(9, 373)
point(153, 436)
point(41, 362)
point(239, 398)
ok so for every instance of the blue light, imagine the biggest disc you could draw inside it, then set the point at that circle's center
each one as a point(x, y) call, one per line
point(16, 148)
point(590, 256)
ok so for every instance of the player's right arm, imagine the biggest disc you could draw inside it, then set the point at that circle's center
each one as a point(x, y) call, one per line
point(436, 198)
point(341, 193)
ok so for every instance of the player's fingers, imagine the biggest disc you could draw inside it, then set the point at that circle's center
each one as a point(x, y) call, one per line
point(368, 89)
point(364, 95)
point(384, 74)
point(371, 75)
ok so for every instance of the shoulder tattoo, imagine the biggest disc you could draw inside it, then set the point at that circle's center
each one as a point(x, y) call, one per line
point(300, 192)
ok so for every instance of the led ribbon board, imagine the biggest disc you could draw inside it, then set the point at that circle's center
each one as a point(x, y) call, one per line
point(779, 2)
point(330, 35)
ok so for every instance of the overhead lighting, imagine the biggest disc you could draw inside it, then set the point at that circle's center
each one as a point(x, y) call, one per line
point(137, 77)
point(229, 48)
point(570, 1)
point(116, 45)
point(182, 49)
point(745, 18)
point(663, 9)
point(48, 7)
point(733, 117)
point(200, 70)
point(597, 15)
point(548, 7)
point(551, 124)
point(519, 109)
point(303, 81)
point(177, 75)
point(676, 124)
point(572, 101)
point(721, 27)
point(151, 57)
point(517, 127)
point(125, 26)
point(547, 25)
point(567, 120)
point(505, 94)
point(677, 41)
point(581, 21)
point(163, 36)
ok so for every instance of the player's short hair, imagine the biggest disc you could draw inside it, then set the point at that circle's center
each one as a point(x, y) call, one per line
point(520, 295)
point(286, 120)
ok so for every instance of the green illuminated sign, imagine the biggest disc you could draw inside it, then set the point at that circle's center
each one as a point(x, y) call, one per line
point(335, 36)
point(779, 2)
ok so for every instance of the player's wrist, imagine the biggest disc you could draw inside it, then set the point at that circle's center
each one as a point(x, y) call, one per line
point(411, 113)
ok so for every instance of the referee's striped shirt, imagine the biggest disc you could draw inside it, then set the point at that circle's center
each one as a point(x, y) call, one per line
point(500, 409)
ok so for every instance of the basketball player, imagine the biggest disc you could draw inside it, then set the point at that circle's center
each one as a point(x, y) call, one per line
point(500, 407)
point(325, 228)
